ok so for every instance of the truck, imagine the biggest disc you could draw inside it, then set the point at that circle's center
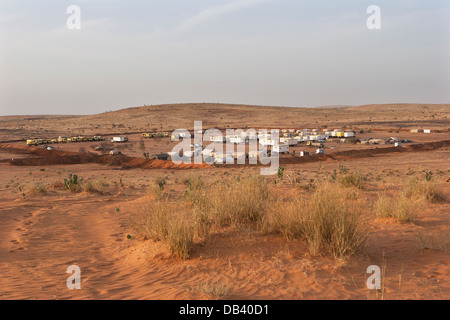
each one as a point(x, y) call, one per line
point(315, 144)
point(32, 142)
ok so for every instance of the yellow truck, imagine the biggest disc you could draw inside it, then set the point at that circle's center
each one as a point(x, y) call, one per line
point(32, 142)
point(62, 140)
point(147, 135)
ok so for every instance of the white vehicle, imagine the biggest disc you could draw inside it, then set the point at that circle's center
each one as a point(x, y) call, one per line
point(320, 151)
point(119, 139)
point(280, 149)
point(304, 153)
point(398, 144)
point(217, 139)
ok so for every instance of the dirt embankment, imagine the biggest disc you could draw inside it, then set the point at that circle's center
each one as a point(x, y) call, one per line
point(352, 154)
point(43, 157)
point(52, 157)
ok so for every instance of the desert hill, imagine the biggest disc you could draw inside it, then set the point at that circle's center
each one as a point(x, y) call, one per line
point(173, 116)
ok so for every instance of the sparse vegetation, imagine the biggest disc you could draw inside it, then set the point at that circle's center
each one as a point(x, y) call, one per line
point(424, 190)
point(38, 188)
point(399, 208)
point(215, 289)
point(72, 183)
point(355, 179)
point(97, 186)
point(327, 221)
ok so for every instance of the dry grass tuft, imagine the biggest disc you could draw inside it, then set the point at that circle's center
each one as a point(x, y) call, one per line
point(355, 179)
point(401, 209)
point(426, 191)
point(38, 189)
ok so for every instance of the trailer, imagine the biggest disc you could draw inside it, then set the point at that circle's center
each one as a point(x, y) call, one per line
point(289, 141)
point(280, 149)
point(349, 134)
point(119, 139)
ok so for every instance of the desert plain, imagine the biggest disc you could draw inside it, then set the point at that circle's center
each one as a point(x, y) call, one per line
point(100, 226)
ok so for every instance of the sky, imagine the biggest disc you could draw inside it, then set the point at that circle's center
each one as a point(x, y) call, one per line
point(297, 53)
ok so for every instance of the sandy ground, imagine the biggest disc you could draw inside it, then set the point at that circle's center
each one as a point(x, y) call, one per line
point(43, 234)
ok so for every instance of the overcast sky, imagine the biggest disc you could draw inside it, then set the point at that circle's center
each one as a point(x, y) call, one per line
point(266, 52)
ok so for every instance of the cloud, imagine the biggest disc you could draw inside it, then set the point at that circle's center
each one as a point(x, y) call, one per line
point(209, 14)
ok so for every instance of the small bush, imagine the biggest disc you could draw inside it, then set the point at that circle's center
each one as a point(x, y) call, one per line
point(94, 187)
point(327, 220)
point(160, 182)
point(161, 221)
point(38, 188)
point(72, 183)
point(400, 209)
point(425, 190)
point(355, 179)
point(214, 289)
point(332, 222)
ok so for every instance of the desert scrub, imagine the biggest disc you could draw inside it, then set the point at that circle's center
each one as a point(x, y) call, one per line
point(237, 202)
point(355, 179)
point(168, 222)
point(97, 186)
point(214, 289)
point(332, 222)
point(424, 190)
point(160, 182)
point(284, 219)
point(401, 208)
point(327, 219)
point(72, 183)
point(230, 202)
point(38, 188)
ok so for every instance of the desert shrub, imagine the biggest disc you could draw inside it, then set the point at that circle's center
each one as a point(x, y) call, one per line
point(425, 190)
point(238, 202)
point(160, 182)
point(284, 219)
point(331, 221)
point(327, 220)
point(355, 179)
point(214, 289)
point(38, 188)
point(400, 209)
point(233, 202)
point(97, 186)
point(280, 172)
point(437, 240)
point(160, 220)
point(72, 183)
